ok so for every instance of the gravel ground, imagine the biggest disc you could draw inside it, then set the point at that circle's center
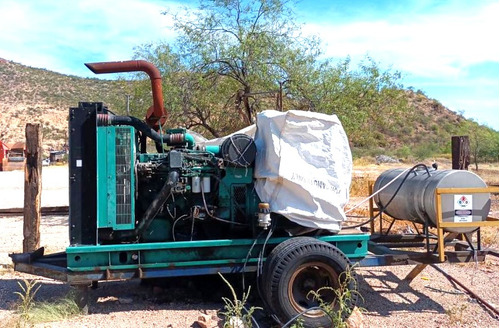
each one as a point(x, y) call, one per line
point(430, 300)
point(54, 187)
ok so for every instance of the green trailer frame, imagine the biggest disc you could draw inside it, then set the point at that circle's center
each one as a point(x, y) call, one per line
point(85, 264)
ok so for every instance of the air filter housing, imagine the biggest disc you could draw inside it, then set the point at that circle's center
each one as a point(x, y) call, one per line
point(238, 150)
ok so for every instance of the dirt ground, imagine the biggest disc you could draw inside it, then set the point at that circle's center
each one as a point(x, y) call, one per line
point(430, 300)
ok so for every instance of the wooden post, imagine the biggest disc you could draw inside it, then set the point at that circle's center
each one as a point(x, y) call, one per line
point(32, 188)
point(370, 208)
point(460, 152)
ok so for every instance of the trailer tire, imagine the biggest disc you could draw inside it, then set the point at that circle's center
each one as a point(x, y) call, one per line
point(300, 265)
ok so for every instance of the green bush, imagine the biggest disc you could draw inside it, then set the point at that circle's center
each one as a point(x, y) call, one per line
point(425, 150)
point(403, 152)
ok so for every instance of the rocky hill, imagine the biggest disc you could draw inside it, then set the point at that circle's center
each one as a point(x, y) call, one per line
point(32, 95)
point(37, 95)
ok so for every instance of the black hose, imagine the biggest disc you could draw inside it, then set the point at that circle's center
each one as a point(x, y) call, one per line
point(314, 308)
point(169, 139)
point(142, 142)
point(382, 209)
point(153, 208)
point(157, 203)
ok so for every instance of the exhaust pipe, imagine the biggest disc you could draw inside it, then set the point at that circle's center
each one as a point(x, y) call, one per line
point(156, 114)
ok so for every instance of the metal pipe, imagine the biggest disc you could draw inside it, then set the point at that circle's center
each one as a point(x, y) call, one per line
point(489, 306)
point(156, 114)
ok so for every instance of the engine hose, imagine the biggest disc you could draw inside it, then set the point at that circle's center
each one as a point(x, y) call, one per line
point(157, 203)
point(153, 208)
point(169, 139)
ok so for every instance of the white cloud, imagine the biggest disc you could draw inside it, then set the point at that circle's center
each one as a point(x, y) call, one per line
point(55, 34)
point(482, 110)
point(434, 44)
point(439, 47)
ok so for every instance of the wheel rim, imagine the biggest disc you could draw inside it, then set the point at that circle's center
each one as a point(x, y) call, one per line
point(311, 277)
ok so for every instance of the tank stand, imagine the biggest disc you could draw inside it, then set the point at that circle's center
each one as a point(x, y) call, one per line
point(414, 272)
point(441, 225)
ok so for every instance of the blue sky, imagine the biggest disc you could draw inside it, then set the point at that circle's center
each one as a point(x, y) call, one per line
point(447, 48)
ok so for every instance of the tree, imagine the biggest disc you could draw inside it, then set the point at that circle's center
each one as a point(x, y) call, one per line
point(368, 100)
point(483, 142)
point(231, 58)
point(252, 43)
point(235, 57)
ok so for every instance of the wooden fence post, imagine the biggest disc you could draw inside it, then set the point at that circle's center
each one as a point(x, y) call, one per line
point(460, 152)
point(32, 188)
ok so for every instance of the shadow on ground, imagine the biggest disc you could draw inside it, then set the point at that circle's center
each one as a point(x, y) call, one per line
point(49, 290)
point(386, 294)
point(204, 293)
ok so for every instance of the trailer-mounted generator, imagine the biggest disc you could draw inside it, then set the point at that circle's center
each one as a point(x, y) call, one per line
point(269, 203)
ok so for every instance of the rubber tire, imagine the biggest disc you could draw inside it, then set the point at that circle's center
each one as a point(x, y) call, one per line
point(281, 265)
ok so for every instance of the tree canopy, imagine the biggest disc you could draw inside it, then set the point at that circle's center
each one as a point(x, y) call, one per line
point(233, 58)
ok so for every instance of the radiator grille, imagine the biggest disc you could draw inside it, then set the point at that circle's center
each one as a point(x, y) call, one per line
point(123, 176)
point(239, 203)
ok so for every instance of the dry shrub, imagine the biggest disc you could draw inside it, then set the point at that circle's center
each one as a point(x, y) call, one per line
point(363, 161)
point(359, 186)
point(489, 237)
point(489, 175)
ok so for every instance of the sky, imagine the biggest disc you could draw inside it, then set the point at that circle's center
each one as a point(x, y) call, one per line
point(448, 49)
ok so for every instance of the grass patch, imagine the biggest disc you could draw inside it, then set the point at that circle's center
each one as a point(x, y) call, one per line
point(359, 186)
point(31, 312)
point(489, 237)
point(60, 309)
point(489, 173)
point(363, 161)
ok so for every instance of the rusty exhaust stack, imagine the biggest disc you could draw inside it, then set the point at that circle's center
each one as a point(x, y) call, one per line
point(156, 114)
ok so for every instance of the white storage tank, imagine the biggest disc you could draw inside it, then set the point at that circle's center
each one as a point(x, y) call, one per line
point(415, 201)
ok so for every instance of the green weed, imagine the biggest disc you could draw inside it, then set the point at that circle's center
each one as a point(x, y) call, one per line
point(236, 315)
point(31, 312)
point(345, 298)
point(26, 296)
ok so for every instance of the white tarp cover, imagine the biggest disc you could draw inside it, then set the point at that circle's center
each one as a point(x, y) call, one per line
point(303, 167)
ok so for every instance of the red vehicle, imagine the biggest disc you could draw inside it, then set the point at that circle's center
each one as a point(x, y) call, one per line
point(13, 157)
point(4, 150)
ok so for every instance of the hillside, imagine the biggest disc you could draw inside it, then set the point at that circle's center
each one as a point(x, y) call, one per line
point(37, 95)
point(32, 95)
